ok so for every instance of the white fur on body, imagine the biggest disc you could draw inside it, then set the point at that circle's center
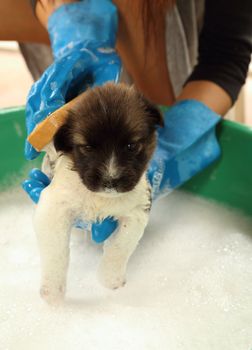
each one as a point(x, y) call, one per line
point(64, 200)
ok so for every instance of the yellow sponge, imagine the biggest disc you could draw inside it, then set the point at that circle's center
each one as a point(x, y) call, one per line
point(45, 131)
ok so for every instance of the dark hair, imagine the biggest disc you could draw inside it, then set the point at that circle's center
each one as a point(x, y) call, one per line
point(152, 12)
point(151, 9)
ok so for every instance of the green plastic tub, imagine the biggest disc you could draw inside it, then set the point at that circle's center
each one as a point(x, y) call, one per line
point(229, 180)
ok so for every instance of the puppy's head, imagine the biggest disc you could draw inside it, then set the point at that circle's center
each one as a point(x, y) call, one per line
point(110, 136)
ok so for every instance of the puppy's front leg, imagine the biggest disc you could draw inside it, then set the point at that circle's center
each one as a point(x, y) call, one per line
point(119, 247)
point(53, 221)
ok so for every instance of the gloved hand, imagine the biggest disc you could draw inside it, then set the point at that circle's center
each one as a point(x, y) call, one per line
point(186, 145)
point(83, 36)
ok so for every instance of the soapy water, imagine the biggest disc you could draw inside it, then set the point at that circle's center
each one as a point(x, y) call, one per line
point(189, 284)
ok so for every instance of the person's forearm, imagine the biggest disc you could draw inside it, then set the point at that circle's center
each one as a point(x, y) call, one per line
point(19, 23)
point(44, 8)
point(209, 93)
point(225, 45)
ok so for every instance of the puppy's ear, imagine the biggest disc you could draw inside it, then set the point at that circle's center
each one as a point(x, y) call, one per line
point(154, 114)
point(63, 139)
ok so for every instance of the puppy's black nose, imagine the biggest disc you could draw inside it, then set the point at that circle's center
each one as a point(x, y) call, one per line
point(110, 183)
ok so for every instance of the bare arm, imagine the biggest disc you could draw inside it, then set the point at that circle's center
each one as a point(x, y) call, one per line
point(209, 93)
point(18, 23)
point(225, 47)
point(44, 9)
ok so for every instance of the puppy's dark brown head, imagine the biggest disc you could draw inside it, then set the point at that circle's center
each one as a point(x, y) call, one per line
point(110, 136)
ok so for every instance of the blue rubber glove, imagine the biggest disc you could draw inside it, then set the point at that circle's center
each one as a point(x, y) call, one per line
point(83, 36)
point(186, 145)
point(35, 184)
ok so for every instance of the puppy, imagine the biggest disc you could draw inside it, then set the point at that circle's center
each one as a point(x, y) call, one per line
point(102, 153)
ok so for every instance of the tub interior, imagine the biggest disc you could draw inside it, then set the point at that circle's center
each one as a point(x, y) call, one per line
point(189, 282)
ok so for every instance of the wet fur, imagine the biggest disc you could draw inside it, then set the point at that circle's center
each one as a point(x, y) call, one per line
point(98, 175)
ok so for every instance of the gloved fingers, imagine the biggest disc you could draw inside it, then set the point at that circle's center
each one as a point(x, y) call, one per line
point(33, 188)
point(35, 194)
point(37, 175)
point(30, 152)
point(102, 230)
point(35, 185)
point(29, 184)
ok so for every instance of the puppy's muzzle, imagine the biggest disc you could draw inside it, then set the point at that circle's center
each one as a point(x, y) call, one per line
point(110, 184)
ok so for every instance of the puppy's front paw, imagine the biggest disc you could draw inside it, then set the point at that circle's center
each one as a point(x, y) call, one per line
point(110, 278)
point(52, 295)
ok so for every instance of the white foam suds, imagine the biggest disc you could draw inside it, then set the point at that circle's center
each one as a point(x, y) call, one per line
point(189, 284)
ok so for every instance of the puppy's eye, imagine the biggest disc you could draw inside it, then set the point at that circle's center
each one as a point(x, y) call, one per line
point(88, 147)
point(132, 147)
point(85, 148)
